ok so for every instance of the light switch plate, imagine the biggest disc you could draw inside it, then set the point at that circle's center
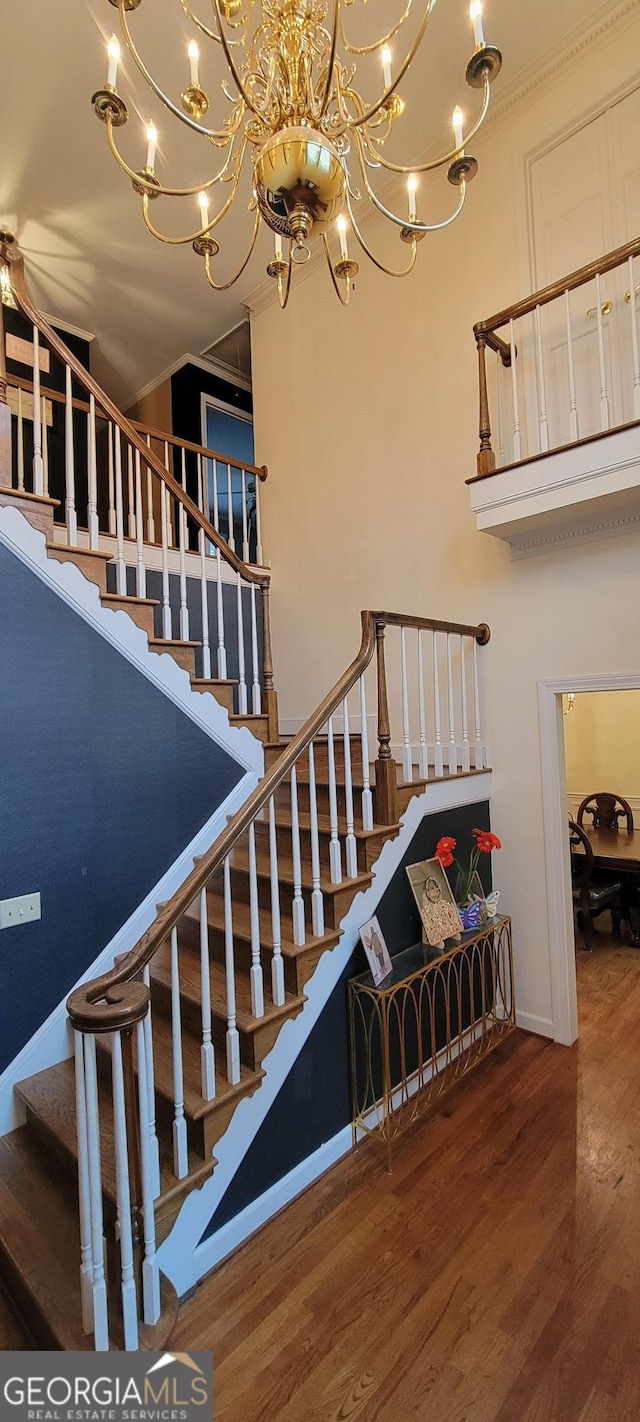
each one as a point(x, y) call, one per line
point(24, 909)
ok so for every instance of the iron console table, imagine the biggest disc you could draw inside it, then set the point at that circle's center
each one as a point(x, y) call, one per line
point(426, 1026)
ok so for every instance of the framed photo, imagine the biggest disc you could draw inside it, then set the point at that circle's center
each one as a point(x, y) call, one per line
point(376, 951)
point(437, 906)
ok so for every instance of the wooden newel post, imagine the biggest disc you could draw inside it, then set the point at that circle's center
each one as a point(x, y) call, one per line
point(386, 771)
point(486, 456)
point(270, 694)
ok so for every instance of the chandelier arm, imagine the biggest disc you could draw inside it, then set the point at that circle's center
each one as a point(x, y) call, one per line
point(390, 89)
point(371, 48)
point(214, 133)
point(435, 162)
point(417, 227)
point(203, 231)
point(344, 300)
point(199, 24)
point(158, 188)
point(388, 271)
point(284, 299)
point(224, 286)
point(331, 60)
point(235, 73)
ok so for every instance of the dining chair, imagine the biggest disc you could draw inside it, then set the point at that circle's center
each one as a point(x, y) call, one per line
point(606, 811)
point(592, 892)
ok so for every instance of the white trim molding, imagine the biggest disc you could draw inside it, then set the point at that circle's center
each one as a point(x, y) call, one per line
point(182, 1257)
point(564, 995)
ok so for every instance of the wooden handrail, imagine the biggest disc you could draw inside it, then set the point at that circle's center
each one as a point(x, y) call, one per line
point(557, 288)
point(115, 999)
point(9, 254)
point(261, 472)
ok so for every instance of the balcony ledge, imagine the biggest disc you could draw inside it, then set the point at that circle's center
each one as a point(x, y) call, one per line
point(583, 491)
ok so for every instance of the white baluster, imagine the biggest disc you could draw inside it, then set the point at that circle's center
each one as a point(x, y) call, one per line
point(257, 985)
point(182, 538)
point(297, 905)
point(151, 524)
point(111, 483)
point(367, 798)
point(465, 752)
point(317, 900)
point(123, 1198)
point(245, 532)
point(154, 1149)
point(350, 846)
point(121, 567)
point(141, 572)
point(38, 470)
point(259, 555)
point(479, 754)
point(256, 698)
point(635, 344)
point(150, 1270)
point(277, 964)
point(167, 465)
point(222, 654)
point(207, 1057)
point(45, 448)
point(204, 586)
point(242, 685)
point(230, 535)
point(605, 422)
point(93, 478)
point(423, 756)
point(100, 1319)
point(20, 436)
point(335, 853)
point(84, 1197)
point(499, 378)
point(453, 749)
point(543, 418)
point(214, 490)
point(407, 753)
point(438, 756)
point(164, 523)
point(69, 464)
point(131, 510)
point(573, 403)
point(516, 398)
point(233, 1040)
point(180, 1147)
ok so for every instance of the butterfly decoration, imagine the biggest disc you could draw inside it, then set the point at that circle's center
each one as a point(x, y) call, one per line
point(471, 916)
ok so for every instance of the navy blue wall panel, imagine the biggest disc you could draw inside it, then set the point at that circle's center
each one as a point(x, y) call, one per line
point(315, 1103)
point(103, 782)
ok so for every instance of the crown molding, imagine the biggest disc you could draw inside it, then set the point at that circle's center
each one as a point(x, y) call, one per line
point(68, 328)
point(265, 295)
point(212, 367)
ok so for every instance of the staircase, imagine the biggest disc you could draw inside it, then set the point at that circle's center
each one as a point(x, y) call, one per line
point(175, 1036)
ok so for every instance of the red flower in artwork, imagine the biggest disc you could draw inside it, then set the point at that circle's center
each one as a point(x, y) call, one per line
point(486, 841)
point(444, 851)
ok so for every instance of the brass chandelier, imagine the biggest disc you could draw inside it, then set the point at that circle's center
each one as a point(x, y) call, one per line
point(311, 139)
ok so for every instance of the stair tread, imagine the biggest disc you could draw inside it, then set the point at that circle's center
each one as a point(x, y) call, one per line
point(249, 716)
point(190, 989)
point(171, 642)
point(207, 681)
point(83, 552)
point(194, 1106)
point(39, 1234)
point(284, 820)
point(130, 598)
point(242, 927)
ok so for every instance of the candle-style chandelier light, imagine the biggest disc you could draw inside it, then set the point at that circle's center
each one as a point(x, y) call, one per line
point(294, 114)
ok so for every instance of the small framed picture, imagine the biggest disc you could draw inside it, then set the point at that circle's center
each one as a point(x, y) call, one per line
point(376, 951)
point(440, 917)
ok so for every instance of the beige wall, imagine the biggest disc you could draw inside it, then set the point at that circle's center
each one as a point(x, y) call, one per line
point(154, 409)
point(367, 420)
point(602, 745)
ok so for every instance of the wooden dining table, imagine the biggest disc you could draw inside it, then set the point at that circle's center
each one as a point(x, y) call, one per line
point(619, 852)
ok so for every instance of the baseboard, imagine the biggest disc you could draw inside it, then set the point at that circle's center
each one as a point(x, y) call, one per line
point(543, 1026)
point(255, 1215)
point(53, 1042)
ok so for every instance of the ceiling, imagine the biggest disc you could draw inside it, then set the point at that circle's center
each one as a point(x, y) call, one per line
point(89, 260)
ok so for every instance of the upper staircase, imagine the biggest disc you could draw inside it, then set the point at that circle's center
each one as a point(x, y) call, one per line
point(176, 1035)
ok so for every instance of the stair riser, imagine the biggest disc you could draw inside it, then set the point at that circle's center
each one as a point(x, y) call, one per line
point(184, 656)
point(283, 834)
point(189, 941)
point(259, 726)
point(142, 616)
point(253, 1045)
point(93, 568)
point(323, 804)
point(222, 694)
point(321, 759)
point(336, 904)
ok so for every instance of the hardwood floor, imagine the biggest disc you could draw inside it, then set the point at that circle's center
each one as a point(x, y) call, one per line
point(494, 1277)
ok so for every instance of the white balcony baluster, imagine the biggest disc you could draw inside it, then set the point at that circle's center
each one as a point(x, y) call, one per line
point(350, 846)
point(150, 1270)
point(84, 1197)
point(99, 1290)
point(407, 753)
point(121, 567)
point(207, 1058)
point(70, 463)
point(635, 344)
point(256, 698)
point(230, 535)
point(123, 1198)
point(204, 585)
point(38, 471)
point(453, 749)
point(335, 852)
point(214, 483)
point(543, 418)
point(45, 447)
point(297, 905)
point(438, 756)
point(242, 684)
point(20, 437)
point(257, 984)
point(94, 527)
point(259, 554)
point(277, 963)
point(233, 1039)
point(573, 403)
point(131, 501)
point(423, 756)
point(317, 900)
point(164, 524)
point(141, 572)
point(222, 654)
point(154, 1149)
point(245, 533)
point(367, 798)
point(479, 753)
point(180, 1148)
point(605, 420)
point(517, 447)
point(151, 523)
point(182, 540)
